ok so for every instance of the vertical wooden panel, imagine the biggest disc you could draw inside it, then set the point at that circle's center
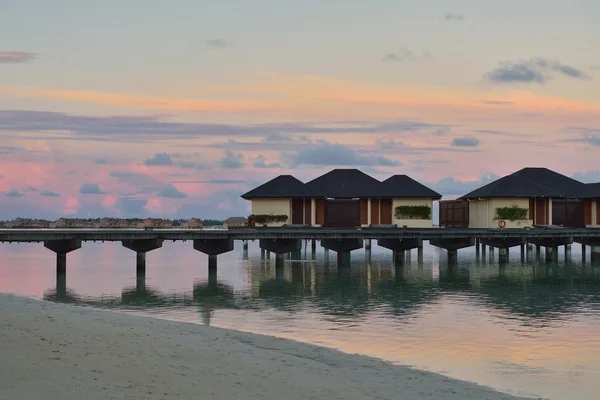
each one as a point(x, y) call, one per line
point(307, 211)
point(342, 213)
point(386, 211)
point(375, 211)
point(320, 204)
point(454, 213)
point(540, 211)
point(364, 211)
point(587, 212)
point(297, 211)
point(597, 211)
point(531, 209)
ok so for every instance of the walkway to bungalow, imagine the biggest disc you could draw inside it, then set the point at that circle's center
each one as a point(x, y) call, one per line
point(285, 240)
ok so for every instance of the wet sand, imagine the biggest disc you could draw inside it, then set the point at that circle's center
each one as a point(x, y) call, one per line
point(62, 352)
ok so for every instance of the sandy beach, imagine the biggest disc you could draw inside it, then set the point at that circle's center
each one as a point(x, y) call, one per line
point(55, 351)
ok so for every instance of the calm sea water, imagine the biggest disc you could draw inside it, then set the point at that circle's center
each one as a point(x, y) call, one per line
point(531, 329)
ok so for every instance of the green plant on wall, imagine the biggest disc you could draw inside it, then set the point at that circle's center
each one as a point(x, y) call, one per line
point(262, 219)
point(412, 212)
point(512, 213)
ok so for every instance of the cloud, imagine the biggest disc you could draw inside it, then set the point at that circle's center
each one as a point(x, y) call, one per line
point(588, 135)
point(90, 188)
point(536, 70)
point(141, 182)
point(156, 128)
point(515, 73)
point(262, 162)
point(232, 160)
point(218, 43)
point(590, 176)
point(453, 186)
point(465, 141)
point(277, 137)
point(453, 17)
point(159, 159)
point(441, 131)
point(133, 208)
point(501, 133)
point(101, 161)
point(496, 102)
point(14, 193)
point(404, 55)
point(594, 140)
point(193, 165)
point(325, 153)
point(171, 192)
point(388, 143)
point(49, 193)
point(223, 204)
point(13, 57)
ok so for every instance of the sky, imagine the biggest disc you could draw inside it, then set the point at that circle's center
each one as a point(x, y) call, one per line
point(174, 109)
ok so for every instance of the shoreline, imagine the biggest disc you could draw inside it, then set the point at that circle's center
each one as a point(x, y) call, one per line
point(62, 351)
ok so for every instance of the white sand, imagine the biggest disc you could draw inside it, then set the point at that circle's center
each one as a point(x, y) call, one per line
point(60, 352)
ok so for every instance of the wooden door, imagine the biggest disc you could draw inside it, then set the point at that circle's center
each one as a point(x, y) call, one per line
point(587, 212)
point(364, 211)
point(375, 211)
point(320, 211)
point(540, 211)
point(307, 211)
point(297, 211)
point(386, 211)
point(342, 213)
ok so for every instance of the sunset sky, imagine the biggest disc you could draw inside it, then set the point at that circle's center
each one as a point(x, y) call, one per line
point(175, 108)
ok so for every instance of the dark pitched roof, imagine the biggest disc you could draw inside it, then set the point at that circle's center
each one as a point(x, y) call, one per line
point(283, 186)
point(591, 191)
point(343, 183)
point(530, 182)
point(405, 186)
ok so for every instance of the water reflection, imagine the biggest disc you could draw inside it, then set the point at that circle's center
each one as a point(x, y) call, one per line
point(536, 294)
point(530, 328)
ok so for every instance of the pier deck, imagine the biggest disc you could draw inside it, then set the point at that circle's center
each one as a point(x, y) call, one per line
point(40, 235)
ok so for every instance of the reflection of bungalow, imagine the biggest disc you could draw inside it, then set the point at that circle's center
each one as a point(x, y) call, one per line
point(532, 196)
point(344, 198)
point(235, 221)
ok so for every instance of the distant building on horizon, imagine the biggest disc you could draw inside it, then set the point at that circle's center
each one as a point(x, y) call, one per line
point(235, 221)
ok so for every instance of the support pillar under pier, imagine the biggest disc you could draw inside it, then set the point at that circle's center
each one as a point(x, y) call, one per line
point(595, 254)
point(401, 248)
point(280, 246)
point(452, 246)
point(503, 255)
point(342, 247)
point(141, 247)
point(399, 257)
point(551, 254)
point(61, 248)
point(452, 256)
point(212, 248)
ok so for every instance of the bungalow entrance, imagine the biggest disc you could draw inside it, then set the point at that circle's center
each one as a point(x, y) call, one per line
point(342, 213)
point(569, 213)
